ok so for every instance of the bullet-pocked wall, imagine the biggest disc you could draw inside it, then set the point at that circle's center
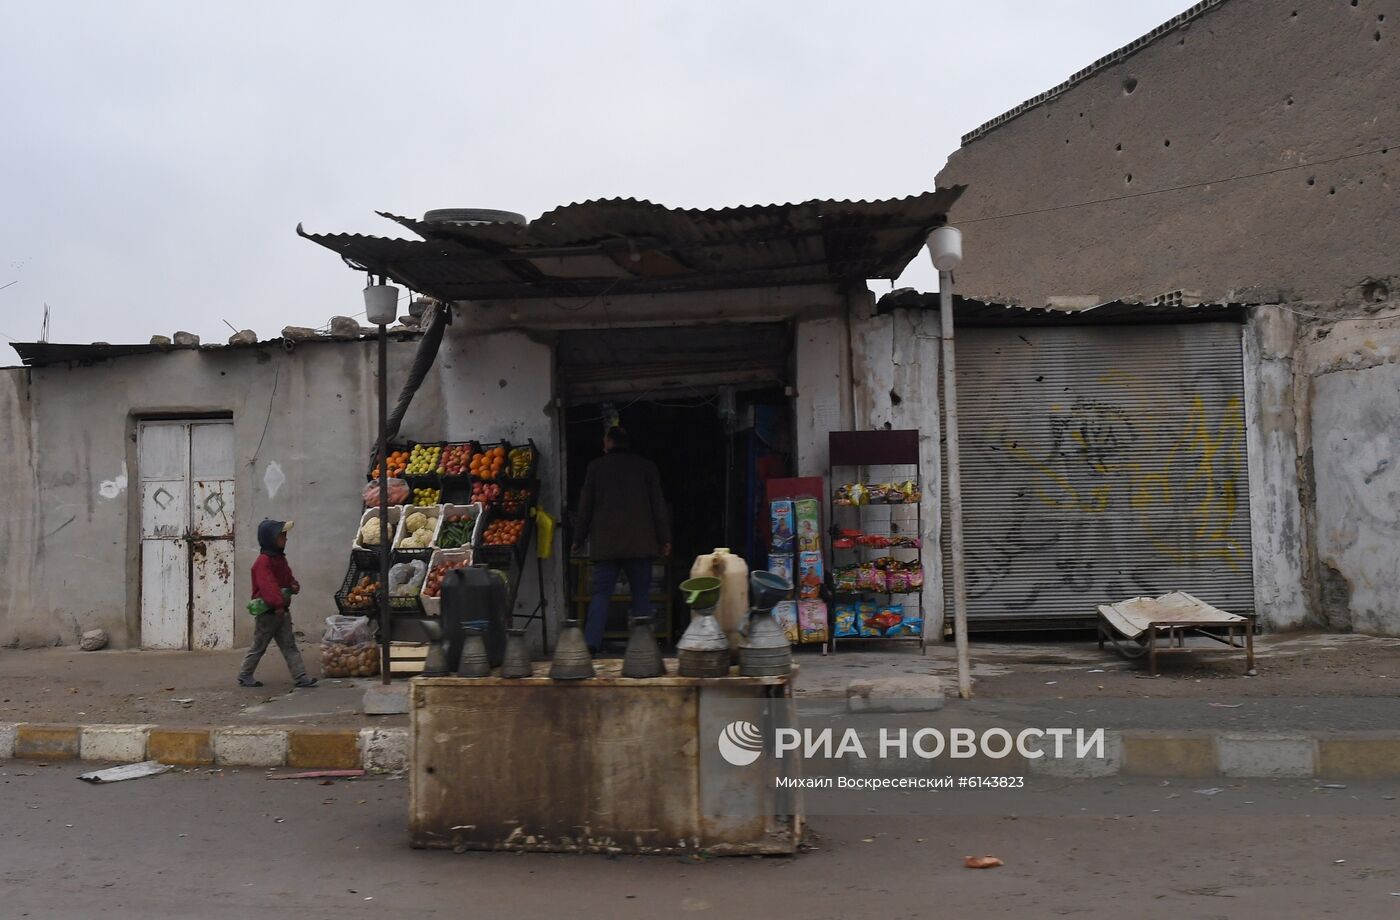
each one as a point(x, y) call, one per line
point(1250, 144)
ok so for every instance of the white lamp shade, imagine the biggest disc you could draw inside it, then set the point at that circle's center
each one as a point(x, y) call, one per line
point(381, 303)
point(945, 247)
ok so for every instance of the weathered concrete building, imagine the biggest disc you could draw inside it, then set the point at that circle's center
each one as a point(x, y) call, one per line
point(762, 303)
point(1243, 152)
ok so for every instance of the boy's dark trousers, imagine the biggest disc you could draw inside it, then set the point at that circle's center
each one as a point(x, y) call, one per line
point(267, 628)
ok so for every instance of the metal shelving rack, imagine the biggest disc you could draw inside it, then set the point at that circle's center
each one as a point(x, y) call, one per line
point(874, 457)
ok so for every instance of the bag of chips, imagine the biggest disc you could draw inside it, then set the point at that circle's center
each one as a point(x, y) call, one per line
point(846, 621)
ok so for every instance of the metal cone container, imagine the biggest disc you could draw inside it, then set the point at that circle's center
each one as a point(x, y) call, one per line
point(642, 658)
point(571, 659)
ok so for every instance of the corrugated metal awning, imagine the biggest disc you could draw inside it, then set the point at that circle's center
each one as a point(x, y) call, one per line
point(623, 246)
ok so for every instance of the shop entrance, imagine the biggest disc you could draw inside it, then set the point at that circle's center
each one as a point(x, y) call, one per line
point(717, 430)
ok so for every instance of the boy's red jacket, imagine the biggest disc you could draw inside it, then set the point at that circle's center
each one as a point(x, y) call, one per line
point(270, 575)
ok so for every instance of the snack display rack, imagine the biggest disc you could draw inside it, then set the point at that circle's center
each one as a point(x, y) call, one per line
point(875, 572)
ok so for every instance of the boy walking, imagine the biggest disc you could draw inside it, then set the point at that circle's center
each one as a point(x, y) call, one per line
point(273, 586)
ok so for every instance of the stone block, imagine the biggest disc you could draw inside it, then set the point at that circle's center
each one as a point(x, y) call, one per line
point(185, 339)
point(7, 740)
point(114, 743)
point(386, 700)
point(1266, 755)
point(908, 693)
point(183, 747)
point(324, 749)
point(46, 742)
point(250, 747)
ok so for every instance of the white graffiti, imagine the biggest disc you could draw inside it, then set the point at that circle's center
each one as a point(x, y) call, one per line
point(274, 479)
point(111, 488)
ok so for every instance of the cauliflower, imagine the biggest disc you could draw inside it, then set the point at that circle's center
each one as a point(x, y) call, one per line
point(369, 533)
point(416, 521)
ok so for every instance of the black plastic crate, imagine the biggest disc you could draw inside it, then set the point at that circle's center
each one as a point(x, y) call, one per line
point(374, 461)
point(529, 473)
point(352, 578)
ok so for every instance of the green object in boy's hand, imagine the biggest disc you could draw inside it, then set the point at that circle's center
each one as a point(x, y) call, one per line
point(257, 606)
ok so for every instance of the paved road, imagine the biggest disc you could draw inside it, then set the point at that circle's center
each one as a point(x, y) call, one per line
point(225, 845)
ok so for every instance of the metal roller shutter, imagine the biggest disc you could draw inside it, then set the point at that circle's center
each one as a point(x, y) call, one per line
point(1100, 463)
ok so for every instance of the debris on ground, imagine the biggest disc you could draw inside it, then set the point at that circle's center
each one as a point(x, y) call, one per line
point(125, 772)
point(319, 774)
point(981, 862)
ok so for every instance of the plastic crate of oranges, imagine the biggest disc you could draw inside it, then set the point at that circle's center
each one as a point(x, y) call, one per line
point(489, 463)
point(398, 462)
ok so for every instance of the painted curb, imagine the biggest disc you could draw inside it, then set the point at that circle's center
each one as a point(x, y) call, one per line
point(379, 750)
point(1170, 754)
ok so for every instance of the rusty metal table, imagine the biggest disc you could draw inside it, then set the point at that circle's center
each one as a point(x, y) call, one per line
point(608, 765)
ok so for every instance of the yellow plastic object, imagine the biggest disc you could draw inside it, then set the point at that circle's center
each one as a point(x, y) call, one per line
point(544, 539)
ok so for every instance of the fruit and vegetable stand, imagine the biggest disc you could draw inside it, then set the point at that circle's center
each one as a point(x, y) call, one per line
point(452, 503)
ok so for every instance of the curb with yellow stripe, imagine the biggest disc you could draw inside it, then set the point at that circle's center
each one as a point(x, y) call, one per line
point(378, 749)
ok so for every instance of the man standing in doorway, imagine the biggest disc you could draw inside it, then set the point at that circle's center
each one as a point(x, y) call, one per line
point(624, 513)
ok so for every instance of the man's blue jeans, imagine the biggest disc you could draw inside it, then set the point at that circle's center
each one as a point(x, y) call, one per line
point(605, 572)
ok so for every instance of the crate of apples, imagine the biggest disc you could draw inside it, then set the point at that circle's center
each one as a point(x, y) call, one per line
point(485, 492)
point(503, 533)
point(515, 501)
point(455, 460)
point(489, 463)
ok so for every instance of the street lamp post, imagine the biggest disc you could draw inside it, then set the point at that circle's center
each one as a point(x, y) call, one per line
point(381, 307)
point(945, 248)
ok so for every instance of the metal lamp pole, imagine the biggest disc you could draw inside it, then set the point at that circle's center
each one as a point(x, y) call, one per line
point(945, 248)
point(381, 306)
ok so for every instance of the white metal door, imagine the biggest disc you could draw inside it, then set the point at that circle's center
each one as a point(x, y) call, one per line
point(186, 471)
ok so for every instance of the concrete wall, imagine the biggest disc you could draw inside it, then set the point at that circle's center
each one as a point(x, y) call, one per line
point(1277, 525)
point(896, 368)
point(70, 546)
point(1350, 381)
point(1248, 87)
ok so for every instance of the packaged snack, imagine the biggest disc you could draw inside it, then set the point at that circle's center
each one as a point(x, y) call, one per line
point(811, 621)
point(878, 620)
point(782, 564)
point(846, 578)
point(845, 621)
point(811, 573)
point(852, 493)
point(783, 524)
point(865, 620)
point(786, 615)
point(881, 492)
point(909, 626)
point(808, 514)
point(916, 576)
point(897, 581)
point(870, 578)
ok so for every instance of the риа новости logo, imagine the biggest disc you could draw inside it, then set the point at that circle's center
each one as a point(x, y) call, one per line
point(740, 743)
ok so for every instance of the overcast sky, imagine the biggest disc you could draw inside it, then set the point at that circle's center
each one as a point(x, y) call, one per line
point(157, 156)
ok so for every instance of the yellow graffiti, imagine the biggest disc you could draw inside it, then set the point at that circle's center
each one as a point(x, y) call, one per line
point(1202, 460)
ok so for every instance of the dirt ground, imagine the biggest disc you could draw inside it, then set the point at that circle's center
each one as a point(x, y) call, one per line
point(67, 685)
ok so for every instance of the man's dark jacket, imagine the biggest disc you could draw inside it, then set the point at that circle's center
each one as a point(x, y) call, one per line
point(622, 508)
